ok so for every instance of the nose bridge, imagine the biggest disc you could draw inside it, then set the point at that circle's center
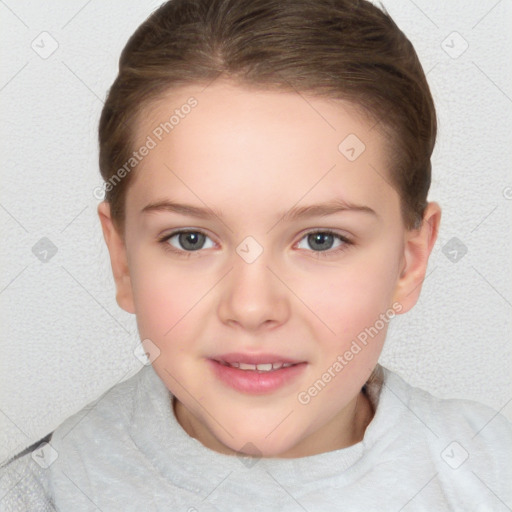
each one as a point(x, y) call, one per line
point(253, 296)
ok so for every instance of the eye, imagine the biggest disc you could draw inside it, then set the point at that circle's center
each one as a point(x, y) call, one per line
point(325, 241)
point(187, 241)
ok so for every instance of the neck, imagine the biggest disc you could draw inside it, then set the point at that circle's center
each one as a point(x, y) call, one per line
point(345, 429)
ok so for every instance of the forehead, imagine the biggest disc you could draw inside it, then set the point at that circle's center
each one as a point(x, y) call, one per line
point(240, 146)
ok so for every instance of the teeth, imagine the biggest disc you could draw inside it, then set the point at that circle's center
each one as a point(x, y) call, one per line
point(263, 367)
point(245, 366)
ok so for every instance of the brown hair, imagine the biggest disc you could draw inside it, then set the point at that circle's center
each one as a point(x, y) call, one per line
point(339, 49)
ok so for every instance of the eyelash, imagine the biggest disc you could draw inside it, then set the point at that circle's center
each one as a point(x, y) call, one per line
point(346, 243)
point(323, 254)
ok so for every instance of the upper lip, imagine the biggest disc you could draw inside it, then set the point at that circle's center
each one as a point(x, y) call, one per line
point(238, 357)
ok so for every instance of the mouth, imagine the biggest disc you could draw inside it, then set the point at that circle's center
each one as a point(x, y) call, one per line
point(255, 374)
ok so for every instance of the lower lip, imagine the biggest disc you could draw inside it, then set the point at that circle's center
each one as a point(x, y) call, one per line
point(254, 382)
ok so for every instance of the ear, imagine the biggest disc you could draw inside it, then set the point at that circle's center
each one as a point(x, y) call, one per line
point(118, 258)
point(418, 245)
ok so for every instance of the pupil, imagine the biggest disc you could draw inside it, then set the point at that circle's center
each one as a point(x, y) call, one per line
point(323, 241)
point(191, 241)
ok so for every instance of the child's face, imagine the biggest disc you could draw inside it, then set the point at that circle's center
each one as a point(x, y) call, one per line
point(258, 285)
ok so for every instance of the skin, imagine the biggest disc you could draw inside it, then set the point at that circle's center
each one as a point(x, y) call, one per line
point(252, 156)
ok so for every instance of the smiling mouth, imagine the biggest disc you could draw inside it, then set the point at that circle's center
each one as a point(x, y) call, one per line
point(265, 373)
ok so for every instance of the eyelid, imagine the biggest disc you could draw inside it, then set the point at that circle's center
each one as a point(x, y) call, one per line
point(177, 231)
point(346, 242)
point(163, 239)
point(345, 237)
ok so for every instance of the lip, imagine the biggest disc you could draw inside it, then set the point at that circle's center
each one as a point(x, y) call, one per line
point(252, 381)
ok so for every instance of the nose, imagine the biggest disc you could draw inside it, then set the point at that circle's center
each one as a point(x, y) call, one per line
point(253, 298)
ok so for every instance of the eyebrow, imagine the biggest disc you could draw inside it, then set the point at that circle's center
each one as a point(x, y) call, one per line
point(296, 213)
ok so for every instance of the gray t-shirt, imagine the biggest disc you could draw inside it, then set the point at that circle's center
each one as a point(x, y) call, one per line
point(126, 452)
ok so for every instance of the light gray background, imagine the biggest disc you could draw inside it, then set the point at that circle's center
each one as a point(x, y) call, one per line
point(64, 339)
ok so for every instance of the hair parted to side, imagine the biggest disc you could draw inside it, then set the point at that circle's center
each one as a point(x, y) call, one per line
point(340, 49)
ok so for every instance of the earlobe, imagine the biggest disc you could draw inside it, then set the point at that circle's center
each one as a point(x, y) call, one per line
point(418, 245)
point(118, 258)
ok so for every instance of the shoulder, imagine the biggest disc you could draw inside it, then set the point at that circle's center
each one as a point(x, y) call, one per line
point(28, 480)
point(114, 404)
point(24, 481)
point(469, 443)
point(112, 409)
point(454, 416)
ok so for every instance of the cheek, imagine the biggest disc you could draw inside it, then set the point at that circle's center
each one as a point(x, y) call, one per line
point(171, 302)
point(352, 297)
point(355, 303)
point(165, 295)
